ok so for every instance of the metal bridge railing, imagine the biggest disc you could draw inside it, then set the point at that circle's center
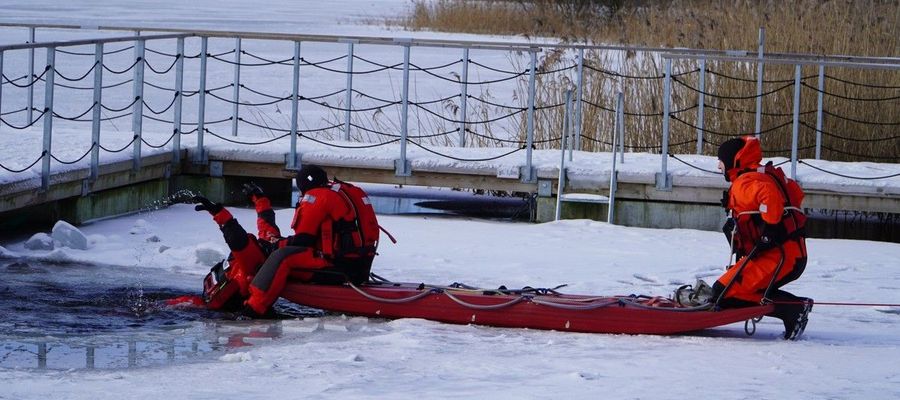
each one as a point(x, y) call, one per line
point(472, 118)
point(49, 75)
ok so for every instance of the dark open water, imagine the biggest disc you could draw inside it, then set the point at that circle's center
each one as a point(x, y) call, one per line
point(73, 316)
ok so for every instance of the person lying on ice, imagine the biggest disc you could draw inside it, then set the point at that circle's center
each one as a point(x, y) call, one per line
point(765, 228)
point(335, 238)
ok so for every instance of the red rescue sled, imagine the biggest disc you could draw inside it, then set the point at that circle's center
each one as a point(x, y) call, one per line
point(527, 308)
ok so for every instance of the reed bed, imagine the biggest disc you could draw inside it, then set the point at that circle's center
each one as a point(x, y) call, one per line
point(861, 119)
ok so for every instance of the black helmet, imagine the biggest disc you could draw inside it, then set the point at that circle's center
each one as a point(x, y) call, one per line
point(728, 150)
point(311, 176)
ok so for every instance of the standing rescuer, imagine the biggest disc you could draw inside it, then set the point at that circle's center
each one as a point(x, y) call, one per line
point(765, 227)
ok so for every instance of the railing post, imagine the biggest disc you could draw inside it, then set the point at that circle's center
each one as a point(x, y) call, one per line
point(579, 94)
point(348, 98)
point(820, 121)
point(463, 98)
point(561, 185)
point(613, 175)
point(1, 84)
point(759, 82)
point(795, 132)
point(567, 125)
point(89, 357)
point(30, 111)
point(236, 93)
point(95, 120)
point(295, 112)
point(701, 98)
point(42, 355)
point(620, 127)
point(179, 96)
point(200, 154)
point(402, 166)
point(48, 117)
point(137, 111)
point(662, 180)
point(528, 170)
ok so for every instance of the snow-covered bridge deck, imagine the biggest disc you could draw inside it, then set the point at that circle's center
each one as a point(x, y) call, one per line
point(587, 172)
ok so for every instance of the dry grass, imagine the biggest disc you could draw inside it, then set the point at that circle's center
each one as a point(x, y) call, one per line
point(865, 27)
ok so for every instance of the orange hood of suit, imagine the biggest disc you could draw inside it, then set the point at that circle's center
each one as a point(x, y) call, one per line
point(747, 158)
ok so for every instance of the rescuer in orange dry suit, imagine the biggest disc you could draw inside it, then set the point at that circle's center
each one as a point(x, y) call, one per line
point(336, 235)
point(228, 283)
point(335, 239)
point(765, 227)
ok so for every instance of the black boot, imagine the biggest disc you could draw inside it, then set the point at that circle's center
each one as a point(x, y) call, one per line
point(248, 313)
point(794, 315)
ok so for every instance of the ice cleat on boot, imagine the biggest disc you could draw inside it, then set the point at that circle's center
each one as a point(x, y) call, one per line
point(795, 318)
point(693, 296)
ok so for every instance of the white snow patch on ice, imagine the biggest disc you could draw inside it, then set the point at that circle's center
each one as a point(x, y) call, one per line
point(39, 241)
point(238, 357)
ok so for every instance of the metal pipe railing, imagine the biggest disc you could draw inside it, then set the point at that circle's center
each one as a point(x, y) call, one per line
point(83, 42)
point(579, 96)
point(179, 97)
point(293, 161)
point(1, 82)
point(795, 130)
point(573, 124)
point(48, 117)
point(95, 117)
point(757, 120)
point(200, 154)
point(403, 168)
point(819, 108)
point(528, 175)
point(348, 95)
point(30, 112)
point(236, 92)
point(561, 180)
point(662, 180)
point(463, 98)
point(137, 113)
point(472, 44)
point(812, 60)
point(613, 174)
point(701, 100)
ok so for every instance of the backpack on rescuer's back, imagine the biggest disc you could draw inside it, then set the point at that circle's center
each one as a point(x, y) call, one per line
point(357, 239)
point(793, 221)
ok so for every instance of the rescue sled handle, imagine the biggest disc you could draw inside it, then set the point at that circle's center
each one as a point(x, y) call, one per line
point(70, 43)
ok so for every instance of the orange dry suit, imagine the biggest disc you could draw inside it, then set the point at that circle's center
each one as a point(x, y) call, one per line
point(228, 282)
point(333, 242)
point(766, 228)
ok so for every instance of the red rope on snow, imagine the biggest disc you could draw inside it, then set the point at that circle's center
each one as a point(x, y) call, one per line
point(835, 303)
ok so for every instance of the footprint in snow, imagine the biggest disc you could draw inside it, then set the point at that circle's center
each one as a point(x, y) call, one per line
point(646, 278)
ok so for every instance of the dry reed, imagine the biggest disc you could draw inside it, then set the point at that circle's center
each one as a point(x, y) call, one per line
point(865, 27)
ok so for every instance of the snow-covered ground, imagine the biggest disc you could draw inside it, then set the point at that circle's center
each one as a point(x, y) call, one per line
point(847, 351)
